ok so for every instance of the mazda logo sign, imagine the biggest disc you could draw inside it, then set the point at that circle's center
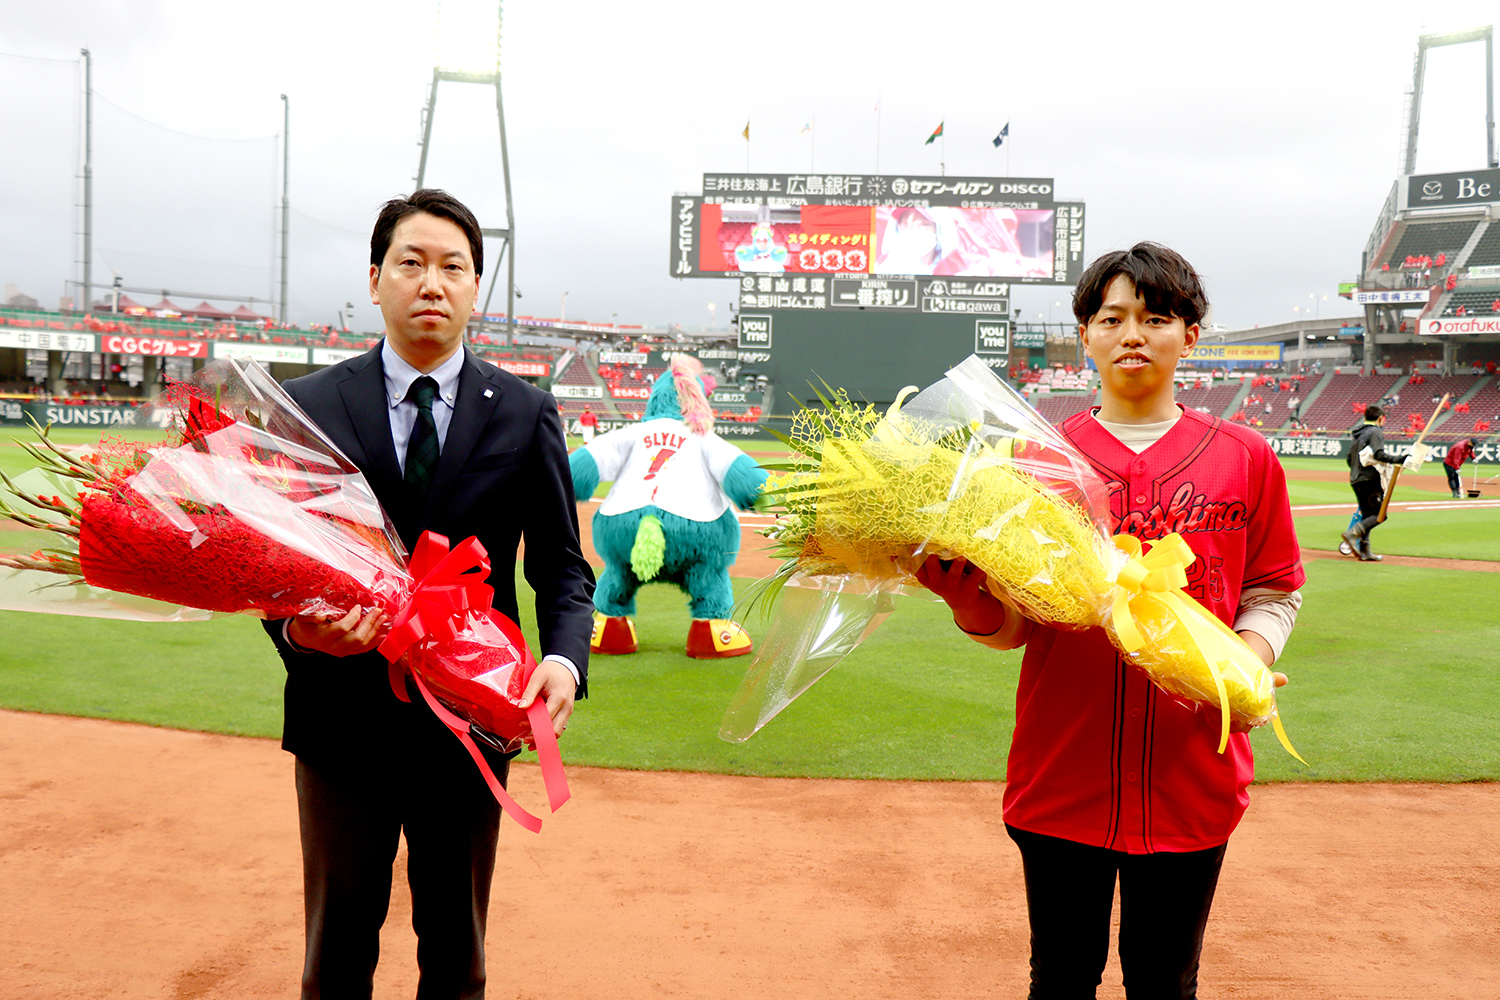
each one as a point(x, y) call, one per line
point(1432, 189)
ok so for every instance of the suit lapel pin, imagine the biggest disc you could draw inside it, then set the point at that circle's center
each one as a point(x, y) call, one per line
point(488, 393)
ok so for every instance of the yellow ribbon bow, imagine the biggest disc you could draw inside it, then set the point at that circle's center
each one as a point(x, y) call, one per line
point(1162, 571)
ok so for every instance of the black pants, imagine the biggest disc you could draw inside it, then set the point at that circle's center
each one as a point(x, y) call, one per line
point(351, 828)
point(1455, 481)
point(1369, 494)
point(1164, 904)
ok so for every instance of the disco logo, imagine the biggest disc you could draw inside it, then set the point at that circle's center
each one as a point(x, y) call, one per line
point(1432, 189)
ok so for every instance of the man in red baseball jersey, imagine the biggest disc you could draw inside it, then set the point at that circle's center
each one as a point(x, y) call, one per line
point(1108, 777)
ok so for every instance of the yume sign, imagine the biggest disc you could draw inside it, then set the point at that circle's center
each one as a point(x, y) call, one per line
point(1236, 352)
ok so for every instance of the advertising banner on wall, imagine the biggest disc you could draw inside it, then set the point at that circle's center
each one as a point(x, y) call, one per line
point(61, 415)
point(879, 189)
point(1211, 353)
point(1471, 187)
point(991, 336)
point(264, 353)
point(333, 355)
point(755, 332)
point(117, 343)
point(1389, 296)
point(578, 391)
point(1028, 338)
point(49, 340)
point(1443, 326)
point(525, 369)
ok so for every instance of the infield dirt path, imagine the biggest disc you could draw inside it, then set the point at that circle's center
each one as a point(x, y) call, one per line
point(141, 863)
point(149, 863)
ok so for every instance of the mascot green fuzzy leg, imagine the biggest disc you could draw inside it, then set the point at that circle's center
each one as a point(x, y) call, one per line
point(667, 518)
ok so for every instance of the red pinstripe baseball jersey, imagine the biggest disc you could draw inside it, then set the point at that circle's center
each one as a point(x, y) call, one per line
point(1100, 755)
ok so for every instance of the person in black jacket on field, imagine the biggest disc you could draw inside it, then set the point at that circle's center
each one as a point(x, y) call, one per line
point(1366, 481)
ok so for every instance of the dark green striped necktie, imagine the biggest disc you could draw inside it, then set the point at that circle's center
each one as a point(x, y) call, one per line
point(422, 448)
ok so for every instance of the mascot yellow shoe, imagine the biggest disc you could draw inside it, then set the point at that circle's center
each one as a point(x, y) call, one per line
point(612, 636)
point(717, 638)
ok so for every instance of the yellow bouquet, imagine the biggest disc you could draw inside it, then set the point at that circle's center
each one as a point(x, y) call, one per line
point(967, 469)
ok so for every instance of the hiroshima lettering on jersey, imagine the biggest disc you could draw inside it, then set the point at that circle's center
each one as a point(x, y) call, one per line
point(1188, 511)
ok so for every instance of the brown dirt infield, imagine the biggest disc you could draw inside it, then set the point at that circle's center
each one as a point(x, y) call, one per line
point(150, 863)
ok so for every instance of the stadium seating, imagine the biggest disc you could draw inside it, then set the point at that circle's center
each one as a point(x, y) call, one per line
point(577, 373)
point(1210, 399)
point(1483, 407)
point(1430, 239)
point(1057, 407)
point(1419, 400)
point(1474, 301)
point(1334, 409)
point(1487, 251)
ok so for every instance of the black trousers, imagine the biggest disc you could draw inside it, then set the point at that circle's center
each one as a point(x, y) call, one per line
point(351, 828)
point(1455, 481)
point(1369, 494)
point(1164, 904)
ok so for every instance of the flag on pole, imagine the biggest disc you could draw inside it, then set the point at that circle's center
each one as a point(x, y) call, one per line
point(746, 133)
point(1003, 133)
point(934, 135)
point(805, 129)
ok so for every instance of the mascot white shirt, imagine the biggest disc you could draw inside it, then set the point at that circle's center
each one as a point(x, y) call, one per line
point(663, 463)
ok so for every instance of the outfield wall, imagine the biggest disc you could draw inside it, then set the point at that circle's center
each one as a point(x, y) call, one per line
point(104, 416)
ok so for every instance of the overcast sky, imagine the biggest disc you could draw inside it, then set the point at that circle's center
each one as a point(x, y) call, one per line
point(1260, 141)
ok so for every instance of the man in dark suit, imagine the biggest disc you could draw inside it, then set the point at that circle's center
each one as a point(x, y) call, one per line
point(453, 445)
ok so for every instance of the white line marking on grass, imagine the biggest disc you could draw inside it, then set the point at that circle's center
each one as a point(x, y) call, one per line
point(1406, 505)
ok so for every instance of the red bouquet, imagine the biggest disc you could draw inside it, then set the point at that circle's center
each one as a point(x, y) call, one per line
point(249, 508)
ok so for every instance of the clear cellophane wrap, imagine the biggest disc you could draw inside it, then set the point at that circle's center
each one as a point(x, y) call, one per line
point(231, 500)
point(966, 469)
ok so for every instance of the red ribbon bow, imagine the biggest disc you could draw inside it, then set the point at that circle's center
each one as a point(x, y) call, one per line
point(449, 585)
point(443, 592)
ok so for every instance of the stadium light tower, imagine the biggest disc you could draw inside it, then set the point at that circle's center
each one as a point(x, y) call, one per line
point(469, 52)
point(1425, 42)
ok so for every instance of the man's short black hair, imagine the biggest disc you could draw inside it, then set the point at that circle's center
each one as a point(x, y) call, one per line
point(433, 201)
point(1162, 278)
point(1373, 412)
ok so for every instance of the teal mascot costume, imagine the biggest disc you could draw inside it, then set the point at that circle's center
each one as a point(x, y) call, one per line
point(667, 518)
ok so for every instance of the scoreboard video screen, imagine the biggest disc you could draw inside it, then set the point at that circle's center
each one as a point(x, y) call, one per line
point(780, 224)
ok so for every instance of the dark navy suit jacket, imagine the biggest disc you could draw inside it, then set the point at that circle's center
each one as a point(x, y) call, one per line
point(503, 475)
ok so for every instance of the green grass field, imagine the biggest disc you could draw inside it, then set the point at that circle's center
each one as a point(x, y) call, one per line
point(1392, 672)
